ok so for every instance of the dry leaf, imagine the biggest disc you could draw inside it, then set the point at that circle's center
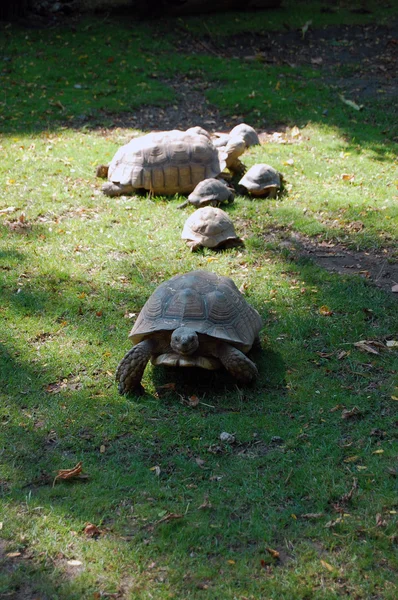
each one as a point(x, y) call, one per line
point(325, 311)
point(380, 522)
point(311, 516)
point(347, 177)
point(392, 344)
point(74, 563)
point(156, 468)
point(353, 412)
point(170, 517)
point(394, 398)
point(231, 562)
point(69, 473)
point(193, 401)
point(333, 523)
point(380, 451)
point(13, 554)
point(205, 504)
point(327, 565)
point(274, 553)
point(295, 132)
point(91, 530)
point(102, 449)
point(318, 60)
point(351, 459)
point(342, 354)
point(369, 346)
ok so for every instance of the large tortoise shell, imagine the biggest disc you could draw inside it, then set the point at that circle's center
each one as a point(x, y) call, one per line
point(206, 302)
point(167, 162)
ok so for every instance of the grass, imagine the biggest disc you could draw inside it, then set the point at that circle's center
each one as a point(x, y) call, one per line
point(76, 267)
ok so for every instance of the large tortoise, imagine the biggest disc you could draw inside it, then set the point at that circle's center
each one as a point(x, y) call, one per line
point(199, 319)
point(262, 180)
point(169, 162)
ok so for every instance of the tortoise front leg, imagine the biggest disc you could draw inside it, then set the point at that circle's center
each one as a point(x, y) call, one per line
point(236, 363)
point(131, 368)
point(116, 189)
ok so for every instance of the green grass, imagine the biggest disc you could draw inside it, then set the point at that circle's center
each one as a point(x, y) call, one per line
point(78, 266)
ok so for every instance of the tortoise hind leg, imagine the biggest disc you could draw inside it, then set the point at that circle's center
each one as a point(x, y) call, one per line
point(237, 363)
point(131, 368)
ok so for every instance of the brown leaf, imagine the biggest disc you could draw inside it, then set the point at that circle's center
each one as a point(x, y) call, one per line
point(69, 473)
point(380, 522)
point(327, 565)
point(193, 401)
point(311, 516)
point(331, 524)
point(274, 553)
point(349, 414)
point(348, 496)
point(370, 346)
point(13, 554)
point(91, 530)
point(170, 517)
point(325, 311)
point(206, 503)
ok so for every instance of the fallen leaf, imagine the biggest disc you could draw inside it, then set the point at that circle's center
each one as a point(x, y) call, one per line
point(69, 473)
point(205, 504)
point(200, 462)
point(231, 562)
point(342, 354)
point(333, 523)
point(274, 553)
point(380, 522)
point(305, 27)
point(156, 468)
point(170, 517)
point(351, 459)
point(380, 451)
point(91, 530)
point(318, 60)
point(74, 563)
point(392, 344)
point(193, 401)
point(295, 131)
point(369, 346)
point(347, 177)
point(394, 398)
point(311, 516)
point(289, 162)
point(325, 311)
point(8, 209)
point(327, 566)
point(13, 554)
point(102, 449)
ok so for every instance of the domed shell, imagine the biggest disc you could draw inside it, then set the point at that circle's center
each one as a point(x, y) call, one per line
point(167, 162)
point(247, 133)
point(210, 227)
point(204, 301)
point(211, 191)
point(261, 179)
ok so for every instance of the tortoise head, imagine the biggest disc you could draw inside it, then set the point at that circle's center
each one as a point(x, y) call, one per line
point(184, 341)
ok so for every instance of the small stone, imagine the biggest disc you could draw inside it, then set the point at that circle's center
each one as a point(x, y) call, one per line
point(227, 437)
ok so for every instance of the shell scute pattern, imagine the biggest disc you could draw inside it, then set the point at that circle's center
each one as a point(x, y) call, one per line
point(204, 302)
point(166, 162)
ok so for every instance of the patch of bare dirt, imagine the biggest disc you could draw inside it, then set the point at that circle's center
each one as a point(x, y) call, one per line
point(378, 267)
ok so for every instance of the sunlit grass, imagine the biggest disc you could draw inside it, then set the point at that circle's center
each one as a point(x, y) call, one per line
point(76, 268)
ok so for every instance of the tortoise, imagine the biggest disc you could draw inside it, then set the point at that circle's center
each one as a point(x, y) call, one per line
point(210, 227)
point(262, 180)
point(244, 131)
point(210, 191)
point(197, 319)
point(169, 162)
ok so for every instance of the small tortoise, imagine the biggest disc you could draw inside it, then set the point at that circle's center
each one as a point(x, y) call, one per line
point(199, 319)
point(210, 191)
point(243, 131)
point(210, 227)
point(169, 162)
point(262, 180)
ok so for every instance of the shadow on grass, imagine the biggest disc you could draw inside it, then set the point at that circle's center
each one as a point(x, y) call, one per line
point(100, 85)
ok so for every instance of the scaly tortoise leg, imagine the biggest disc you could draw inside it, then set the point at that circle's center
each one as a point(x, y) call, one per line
point(237, 363)
point(131, 368)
